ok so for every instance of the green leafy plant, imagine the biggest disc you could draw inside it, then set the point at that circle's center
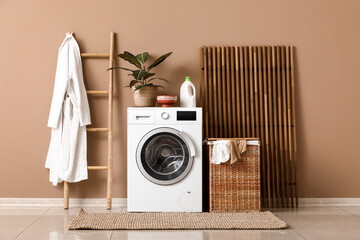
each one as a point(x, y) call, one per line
point(142, 75)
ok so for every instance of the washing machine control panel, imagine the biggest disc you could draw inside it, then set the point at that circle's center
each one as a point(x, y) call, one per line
point(187, 116)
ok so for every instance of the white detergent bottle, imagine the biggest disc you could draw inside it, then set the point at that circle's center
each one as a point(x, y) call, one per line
point(187, 94)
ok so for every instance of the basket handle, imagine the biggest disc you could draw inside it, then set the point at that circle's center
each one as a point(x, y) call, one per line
point(248, 142)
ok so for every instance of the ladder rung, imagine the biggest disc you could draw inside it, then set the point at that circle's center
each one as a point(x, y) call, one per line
point(97, 129)
point(96, 55)
point(97, 92)
point(97, 168)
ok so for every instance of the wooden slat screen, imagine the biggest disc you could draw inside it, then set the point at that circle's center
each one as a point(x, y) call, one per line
point(249, 91)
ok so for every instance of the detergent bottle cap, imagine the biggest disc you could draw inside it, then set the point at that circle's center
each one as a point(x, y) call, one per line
point(187, 79)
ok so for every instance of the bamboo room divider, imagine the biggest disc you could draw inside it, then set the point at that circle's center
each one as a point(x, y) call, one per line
point(249, 91)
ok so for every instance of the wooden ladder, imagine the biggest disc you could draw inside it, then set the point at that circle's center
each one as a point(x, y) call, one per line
point(109, 129)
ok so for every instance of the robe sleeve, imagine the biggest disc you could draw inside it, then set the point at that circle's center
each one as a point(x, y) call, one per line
point(61, 84)
point(79, 86)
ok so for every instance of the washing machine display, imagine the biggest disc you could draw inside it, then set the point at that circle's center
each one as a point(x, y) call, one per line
point(164, 156)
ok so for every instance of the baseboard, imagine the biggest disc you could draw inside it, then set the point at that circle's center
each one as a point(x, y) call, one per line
point(328, 202)
point(59, 202)
point(122, 202)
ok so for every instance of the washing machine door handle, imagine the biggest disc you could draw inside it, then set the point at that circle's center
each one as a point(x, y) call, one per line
point(189, 143)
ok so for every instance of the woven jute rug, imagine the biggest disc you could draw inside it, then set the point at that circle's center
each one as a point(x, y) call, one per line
point(160, 221)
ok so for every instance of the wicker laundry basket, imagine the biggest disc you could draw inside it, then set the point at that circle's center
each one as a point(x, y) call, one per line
point(235, 188)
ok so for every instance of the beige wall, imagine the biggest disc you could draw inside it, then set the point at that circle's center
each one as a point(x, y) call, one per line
point(325, 33)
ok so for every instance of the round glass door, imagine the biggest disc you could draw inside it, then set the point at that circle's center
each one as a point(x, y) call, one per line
point(163, 156)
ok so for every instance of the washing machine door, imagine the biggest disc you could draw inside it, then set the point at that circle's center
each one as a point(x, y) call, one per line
point(165, 156)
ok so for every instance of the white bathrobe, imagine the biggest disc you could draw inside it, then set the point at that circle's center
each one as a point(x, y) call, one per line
point(69, 115)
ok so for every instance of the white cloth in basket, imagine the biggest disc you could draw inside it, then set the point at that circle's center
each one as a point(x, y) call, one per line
point(220, 151)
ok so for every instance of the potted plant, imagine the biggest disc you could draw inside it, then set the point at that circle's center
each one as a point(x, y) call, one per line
point(142, 81)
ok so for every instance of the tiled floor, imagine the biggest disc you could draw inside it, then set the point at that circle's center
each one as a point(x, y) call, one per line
point(304, 223)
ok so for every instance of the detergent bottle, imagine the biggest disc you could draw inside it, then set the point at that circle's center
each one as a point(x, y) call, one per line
point(187, 94)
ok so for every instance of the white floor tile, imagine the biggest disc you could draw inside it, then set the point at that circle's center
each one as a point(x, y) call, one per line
point(352, 210)
point(163, 234)
point(303, 211)
point(252, 235)
point(74, 211)
point(23, 210)
point(12, 225)
point(326, 226)
point(54, 227)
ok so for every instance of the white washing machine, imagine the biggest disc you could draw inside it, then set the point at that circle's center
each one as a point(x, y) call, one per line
point(164, 163)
